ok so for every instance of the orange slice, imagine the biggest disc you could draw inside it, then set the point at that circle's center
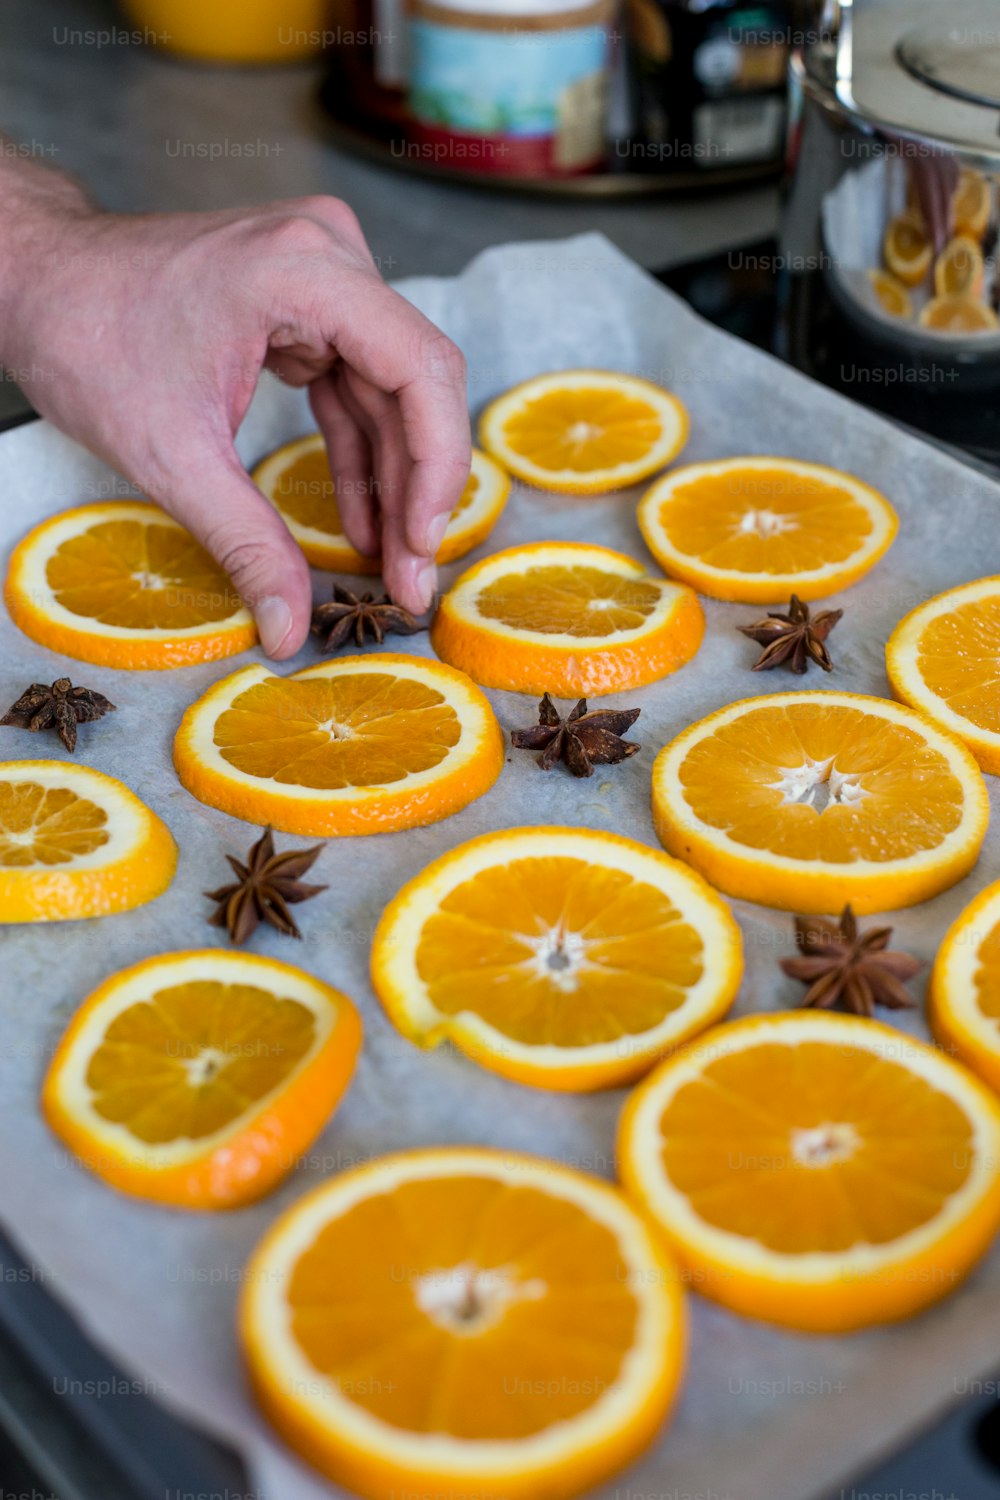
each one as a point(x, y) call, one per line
point(891, 294)
point(584, 431)
point(197, 1079)
point(759, 528)
point(467, 1322)
point(565, 618)
point(296, 479)
point(75, 843)
point(808, 801)
point(958, 270)
point(970, 204)
point(121, 584)
point(907, 249)
point(817, 1170)
point(362, 744)
point(963, 998)
point(944, 659)
point(560, 957)
point(962, 314)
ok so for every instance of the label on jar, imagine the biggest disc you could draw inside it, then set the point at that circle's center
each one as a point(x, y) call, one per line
point(731, 131)
point(510, 99)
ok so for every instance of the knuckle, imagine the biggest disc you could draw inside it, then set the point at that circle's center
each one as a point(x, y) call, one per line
point(297, 234)
point(442, 359)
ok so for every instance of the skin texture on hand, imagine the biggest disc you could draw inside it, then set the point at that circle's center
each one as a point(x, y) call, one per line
point(143, 336)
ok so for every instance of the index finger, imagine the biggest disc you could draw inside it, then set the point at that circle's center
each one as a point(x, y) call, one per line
point(397, 349)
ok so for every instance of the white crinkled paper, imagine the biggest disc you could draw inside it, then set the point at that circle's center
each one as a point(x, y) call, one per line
point(765, 1415)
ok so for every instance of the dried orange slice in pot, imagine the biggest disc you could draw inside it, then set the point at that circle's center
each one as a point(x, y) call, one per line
point(122, 584)
point(296, 479)
point(963, 313)
point(584, 432)
point(566, 618)
point(958, 270)
point(817, 1170)
point(811, 800)
point(942, 658)
point(963, 999)
point(907, 249)
point(560, 957)
point(971, 204)
point(891, 294)
point(759, 528)
point(360, 744)
point(464, 1321)
point(76, 843)
point(197, 1079)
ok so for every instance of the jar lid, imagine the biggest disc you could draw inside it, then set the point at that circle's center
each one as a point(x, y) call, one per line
point(924, 70)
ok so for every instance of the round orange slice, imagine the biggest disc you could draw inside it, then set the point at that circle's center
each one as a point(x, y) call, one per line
point(944, 659)
point(970, 204)
point(891, 295)
point(121, 584)
point(759, 528)
point(959, 314)
point(464, 1322)
point(810, 800)
point(907, 249)
point(296, 479)
point(76, 843)
point(963, 998)
point(361, 744)
point(821, 1171)
point(565, 618)
point(958, 270)
point(584, 432)
point(560, 957)
point(198, 1079)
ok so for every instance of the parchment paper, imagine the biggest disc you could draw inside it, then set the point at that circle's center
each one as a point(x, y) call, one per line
point(765, 1415)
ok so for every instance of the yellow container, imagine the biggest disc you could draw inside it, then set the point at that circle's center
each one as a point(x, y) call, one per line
point(239, 31)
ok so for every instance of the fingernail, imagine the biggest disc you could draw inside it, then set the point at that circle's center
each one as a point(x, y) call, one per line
point(427, 583)
point(436, 529)
point(274, 621)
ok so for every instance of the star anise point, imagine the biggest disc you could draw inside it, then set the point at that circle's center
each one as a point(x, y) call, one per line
point(794, 638)
point(365, 618)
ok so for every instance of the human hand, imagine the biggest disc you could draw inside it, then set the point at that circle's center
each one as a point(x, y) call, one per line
point(143, 337)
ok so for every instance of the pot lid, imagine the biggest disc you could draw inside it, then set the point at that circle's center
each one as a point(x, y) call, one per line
point(927, 70)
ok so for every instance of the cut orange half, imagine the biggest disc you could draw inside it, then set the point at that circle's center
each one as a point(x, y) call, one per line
point(361, 744)
point(820, 1171)
point(907, 249)
point(958, 270)
point(565, 618)
point(961, 314)
point(944, 659)
point(121, 584)
point(970, 204)
point(808, 801)
point(198, 1079)
point(560, 957)
point(759, 528)
point(75, 843)
point(464, 1322)
point(296, 479)
point(584, 432)
point(891, 294)
point(963, 999)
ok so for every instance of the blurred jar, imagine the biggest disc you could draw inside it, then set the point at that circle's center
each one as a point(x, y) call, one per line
point(509, 86)
point(240, 31)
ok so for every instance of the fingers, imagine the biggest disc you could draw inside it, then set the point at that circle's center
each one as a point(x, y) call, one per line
point(249, 540)
point(398, 351)
point(350, 463)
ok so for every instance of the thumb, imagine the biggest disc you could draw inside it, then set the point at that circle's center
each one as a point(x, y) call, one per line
point(248, 539)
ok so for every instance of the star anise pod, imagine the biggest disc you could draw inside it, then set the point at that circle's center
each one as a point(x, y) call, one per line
point(841, 963)
point(581, 740)
point(794, 639)
point(264, 889)
point(363, 618)
point(61, 707)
